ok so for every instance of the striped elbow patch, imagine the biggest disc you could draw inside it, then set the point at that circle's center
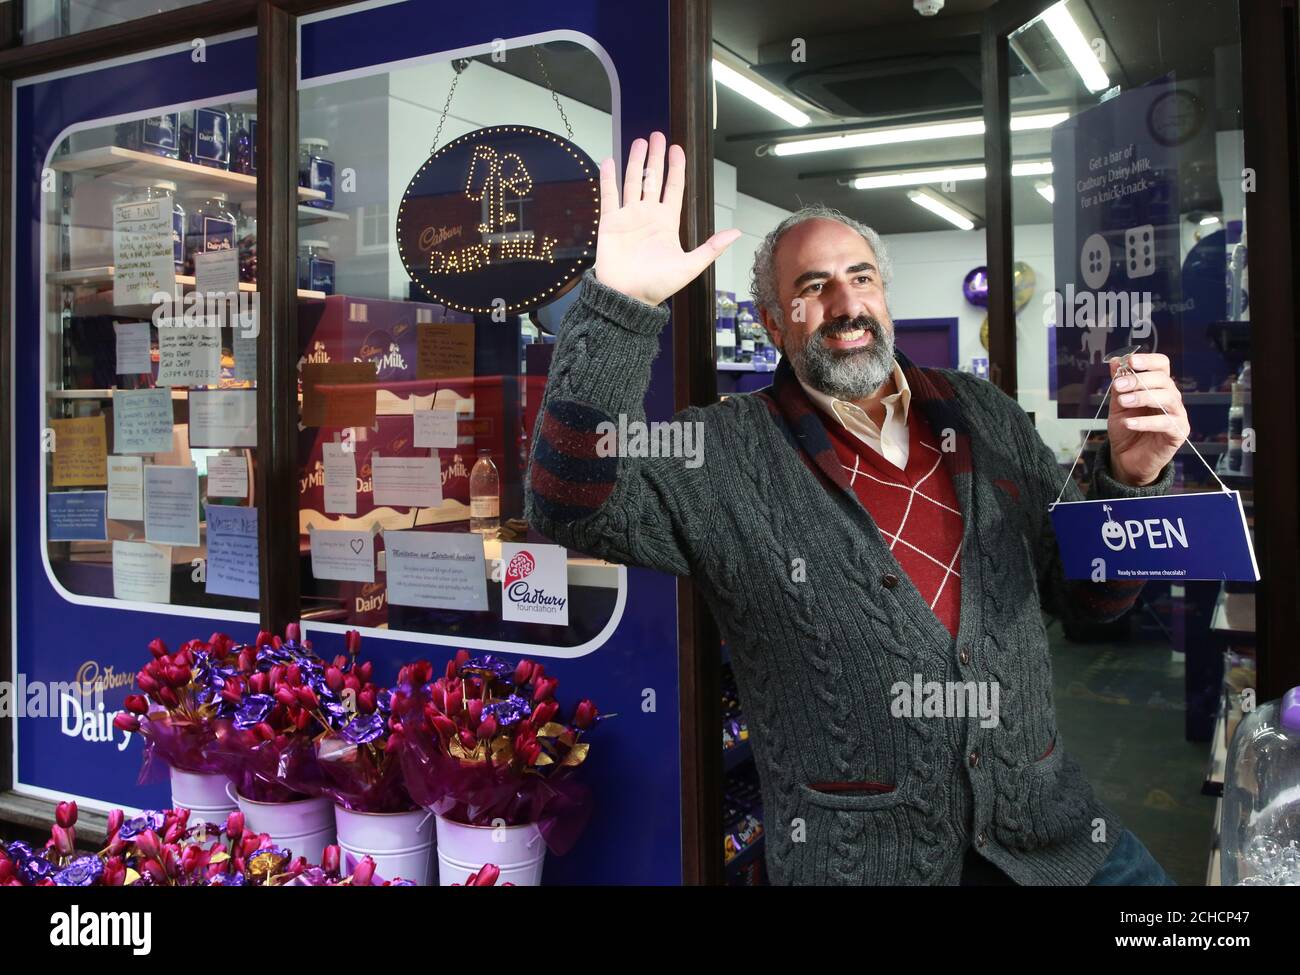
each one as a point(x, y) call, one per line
point(568, 480)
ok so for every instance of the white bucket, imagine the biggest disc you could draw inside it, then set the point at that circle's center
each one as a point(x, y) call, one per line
point(203, 794)
point(304, 827)
point(401, 844)
point(519, 852)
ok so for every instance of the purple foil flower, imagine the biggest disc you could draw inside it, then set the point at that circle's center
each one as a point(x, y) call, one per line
point(488, 666)
point(34, 869)
point(255, 708)
point(227, 880)
point(82, 872)
point(507, 712)
point(150, 819)
point(363, 729)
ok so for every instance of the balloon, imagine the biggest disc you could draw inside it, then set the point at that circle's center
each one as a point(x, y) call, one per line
point(976, 287)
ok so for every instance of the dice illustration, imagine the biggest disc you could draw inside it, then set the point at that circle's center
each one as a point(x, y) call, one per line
point(1140, 251)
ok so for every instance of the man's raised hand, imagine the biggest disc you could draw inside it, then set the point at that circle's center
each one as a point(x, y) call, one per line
point(638, 250)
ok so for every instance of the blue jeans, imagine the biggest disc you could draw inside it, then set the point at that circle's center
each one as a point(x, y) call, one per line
point(1130, 864)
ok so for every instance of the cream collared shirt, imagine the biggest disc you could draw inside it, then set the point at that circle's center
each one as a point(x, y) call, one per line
point(890, 440)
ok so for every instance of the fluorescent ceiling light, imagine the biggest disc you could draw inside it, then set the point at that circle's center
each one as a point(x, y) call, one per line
point(1046, 191)
point(941, 208)
point(911, 133)
point(1076, 47)
point(953, 174)
point(756, 93)
point(1208, 221)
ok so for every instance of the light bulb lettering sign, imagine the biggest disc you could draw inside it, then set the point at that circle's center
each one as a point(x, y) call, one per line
point(501, 218)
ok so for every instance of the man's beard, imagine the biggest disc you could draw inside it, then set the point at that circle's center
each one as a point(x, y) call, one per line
point(850, 374)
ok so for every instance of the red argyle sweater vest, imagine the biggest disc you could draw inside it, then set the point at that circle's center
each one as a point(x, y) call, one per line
point(916, 510)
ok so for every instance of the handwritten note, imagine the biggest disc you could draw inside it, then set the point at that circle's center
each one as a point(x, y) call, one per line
point(142, 421)
point(340, 478)
point(126, 488)
point(223, 418)
point(143, 255)
point(232, 551)
point(435, 428)
point(406, 482)
point(76, 516)
point(228, 476)
point(80, 451)
point(445, 351)
point(132, 348)
point(142, 572)
point(343, 555)
point(338, 394)
point(188, 356)
point(171, 504)
point(245, 350)
point(439, 570)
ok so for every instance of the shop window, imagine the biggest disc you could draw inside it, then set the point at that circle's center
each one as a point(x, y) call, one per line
point(45, 20)
point(383, 355)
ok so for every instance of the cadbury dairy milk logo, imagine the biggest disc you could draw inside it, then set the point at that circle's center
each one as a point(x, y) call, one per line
point(1149, 533)
point(456, 469)
point(316, 479)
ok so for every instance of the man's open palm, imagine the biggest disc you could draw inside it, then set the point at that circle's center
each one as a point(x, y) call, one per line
point(638, 251)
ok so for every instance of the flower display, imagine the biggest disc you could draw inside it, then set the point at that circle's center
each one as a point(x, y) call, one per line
point(484, 742)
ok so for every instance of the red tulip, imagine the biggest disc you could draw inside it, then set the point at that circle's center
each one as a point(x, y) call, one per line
point(153, 869)
point(234, 826)
point(157, 647)
point(232, 692)
point(257, 683)
point(467, 738)
point(421, 672)
point(352, 683)
point(334, 679)
point(487, 727)
point(178, 675)
point(264, 731)
point(486, 877)
point(475, 710)
point(263, 638)
point(126, 722)
point(293, 632)
point(445, 726)
point(168, 697)
point(146, 683)
point(115, 820)
point(366, 700)
point(65, 839)
point(544, 688)
point(352, 640)
point(329, 860)
point(276, 642)
point(190, 858)
point(523, 672)
point(149, 844)
point(302, 719)
point(585, 714)
point(450, 672)
point(363, 873)
point(247, 659)
point(364, 671)
point(454, 697)
point(544, 712)
point(276, 675)
point(114, 872)
point(174, 833)
point(307, 697)
point(65, 814)
point(285, 695)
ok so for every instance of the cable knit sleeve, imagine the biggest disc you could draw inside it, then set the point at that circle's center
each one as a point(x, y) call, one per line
point(633, 506)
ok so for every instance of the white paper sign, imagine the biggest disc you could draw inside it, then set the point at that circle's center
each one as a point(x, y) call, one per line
point(534, 583)
point(126, 488)
point(439, 570)
point(435, 428)
point(406, 482)
point(142, 572)
point(245, 350)
point(142, 421)
point(340, 478)
point(132, 348)
point(143, 254)
point(188, 356)
point(223, 418)
point(228, 477)
point(171, 504)
point(216, 272)
point(343, 555)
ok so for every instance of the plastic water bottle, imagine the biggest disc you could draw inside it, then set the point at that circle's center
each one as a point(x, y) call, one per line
point(484, 495)
point(1260, 830)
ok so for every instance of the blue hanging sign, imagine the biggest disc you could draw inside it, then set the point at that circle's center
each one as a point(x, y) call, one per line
point(1177, 536)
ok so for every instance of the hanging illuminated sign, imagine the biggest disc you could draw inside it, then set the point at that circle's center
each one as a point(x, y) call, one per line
point(501, 219)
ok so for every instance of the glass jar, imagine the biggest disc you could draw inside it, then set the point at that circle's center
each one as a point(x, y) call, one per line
point(246, 235)
point(209, 225)
point(211, 138)
point(158, 134)
point(315, 266)
point(243, 144)
point(315, 171)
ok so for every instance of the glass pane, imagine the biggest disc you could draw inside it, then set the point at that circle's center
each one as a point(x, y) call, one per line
point(44, 20)
point(383, 356)
point(1130, 229)
point(151, 401)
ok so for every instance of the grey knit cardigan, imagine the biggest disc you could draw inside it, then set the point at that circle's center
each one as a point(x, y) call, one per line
point(818, 644)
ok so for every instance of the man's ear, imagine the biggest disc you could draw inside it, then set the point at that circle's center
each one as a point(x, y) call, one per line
point(773, 330)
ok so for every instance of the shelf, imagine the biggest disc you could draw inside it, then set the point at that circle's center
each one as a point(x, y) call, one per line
point(1213, 784)
point(129, 162)
point(745, 367)
point(104, 275)
point(311, 215)
point(177, 393)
